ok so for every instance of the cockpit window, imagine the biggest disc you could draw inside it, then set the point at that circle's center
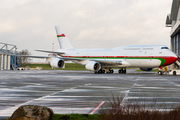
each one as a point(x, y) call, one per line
point(164, 48)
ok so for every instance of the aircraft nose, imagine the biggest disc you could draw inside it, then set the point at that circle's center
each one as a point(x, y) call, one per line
point(175, 58)
point(171, 59)
point(178, 58)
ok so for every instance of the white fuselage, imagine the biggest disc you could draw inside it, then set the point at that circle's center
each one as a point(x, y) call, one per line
point(143, 56)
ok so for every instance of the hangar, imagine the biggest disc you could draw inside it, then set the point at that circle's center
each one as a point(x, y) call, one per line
point(173, 21)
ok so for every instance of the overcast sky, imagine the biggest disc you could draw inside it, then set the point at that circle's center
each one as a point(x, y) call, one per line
point(29, 24)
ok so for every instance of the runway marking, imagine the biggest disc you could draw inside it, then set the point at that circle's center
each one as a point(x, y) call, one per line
point(66, 98)
point(97, 107)
point(122, 103)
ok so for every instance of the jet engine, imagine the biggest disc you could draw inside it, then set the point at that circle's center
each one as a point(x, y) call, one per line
point(93, 66)
point(57, 63)
point(146, 69)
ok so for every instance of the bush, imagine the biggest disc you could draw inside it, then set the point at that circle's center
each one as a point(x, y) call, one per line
point(133, 111)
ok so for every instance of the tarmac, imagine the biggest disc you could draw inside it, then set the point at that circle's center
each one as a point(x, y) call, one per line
point(84, 92)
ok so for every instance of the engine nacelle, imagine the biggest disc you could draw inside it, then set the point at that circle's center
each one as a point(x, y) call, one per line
point(146, 69)
point(93, 66)
point(57, 63)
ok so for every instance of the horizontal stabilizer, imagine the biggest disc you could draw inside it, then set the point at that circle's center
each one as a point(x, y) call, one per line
point(50, 52)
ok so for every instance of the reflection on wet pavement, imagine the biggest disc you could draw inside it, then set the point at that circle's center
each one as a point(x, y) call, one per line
point(82, 92)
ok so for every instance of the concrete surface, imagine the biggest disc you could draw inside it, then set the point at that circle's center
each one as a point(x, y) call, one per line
point(84, 92)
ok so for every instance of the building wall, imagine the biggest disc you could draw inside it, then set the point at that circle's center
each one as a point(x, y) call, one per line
point(178, 15)
point(175, 43)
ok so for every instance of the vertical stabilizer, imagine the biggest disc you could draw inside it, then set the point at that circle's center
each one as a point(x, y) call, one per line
point(64, 42)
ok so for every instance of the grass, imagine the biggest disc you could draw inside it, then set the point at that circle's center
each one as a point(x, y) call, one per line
point(154, 70)
point(117, 110)
point(68, 66)
point(137, 111)
point(75, 117)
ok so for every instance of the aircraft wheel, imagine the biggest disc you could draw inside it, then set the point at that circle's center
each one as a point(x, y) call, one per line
point(125, 71)
point(160, 73)
point(100, 71)
point(112, 71)
point(174, 72)
point(108, 72)
point(120, 71)
point(103, 71)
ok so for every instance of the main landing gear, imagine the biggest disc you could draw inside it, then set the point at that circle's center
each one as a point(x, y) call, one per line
point(107, 71)
point(110, 71)
point(122, 71)
point(100, 71)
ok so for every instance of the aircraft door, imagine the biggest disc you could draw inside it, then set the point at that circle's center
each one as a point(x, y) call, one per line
point(150, 56)
point(125, 56)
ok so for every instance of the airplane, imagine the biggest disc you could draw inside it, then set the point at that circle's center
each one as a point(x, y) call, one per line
point(145, 57)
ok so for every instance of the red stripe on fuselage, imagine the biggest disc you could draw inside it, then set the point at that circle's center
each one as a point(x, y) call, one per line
point(168, 60)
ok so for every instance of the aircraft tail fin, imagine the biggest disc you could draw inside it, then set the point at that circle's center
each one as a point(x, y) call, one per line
point(64, 42)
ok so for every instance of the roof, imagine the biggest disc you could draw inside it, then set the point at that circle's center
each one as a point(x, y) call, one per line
point(174, 9)
point(174, 12)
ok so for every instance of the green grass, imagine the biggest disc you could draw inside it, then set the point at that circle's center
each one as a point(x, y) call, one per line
point(154, 70)
point(75, 117)
point(68, 66)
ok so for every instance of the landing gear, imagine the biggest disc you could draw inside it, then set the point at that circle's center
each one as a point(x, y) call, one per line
point(160, 72)
point(109, 71)
point(122, 71)
point(100, 71)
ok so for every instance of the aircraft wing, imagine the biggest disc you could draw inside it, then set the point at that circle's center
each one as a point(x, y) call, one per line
point(31, 56)
point(114, 62)
point(64, 58)
point(118, 62)
point(50, 52)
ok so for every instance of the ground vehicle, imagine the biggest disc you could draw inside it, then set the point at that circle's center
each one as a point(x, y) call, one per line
point(165, 70)
point(174, 72)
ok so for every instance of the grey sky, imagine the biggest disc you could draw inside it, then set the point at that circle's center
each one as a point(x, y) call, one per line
point(29, 24)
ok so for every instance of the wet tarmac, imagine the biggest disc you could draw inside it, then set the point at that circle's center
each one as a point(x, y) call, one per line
point(83, 92)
